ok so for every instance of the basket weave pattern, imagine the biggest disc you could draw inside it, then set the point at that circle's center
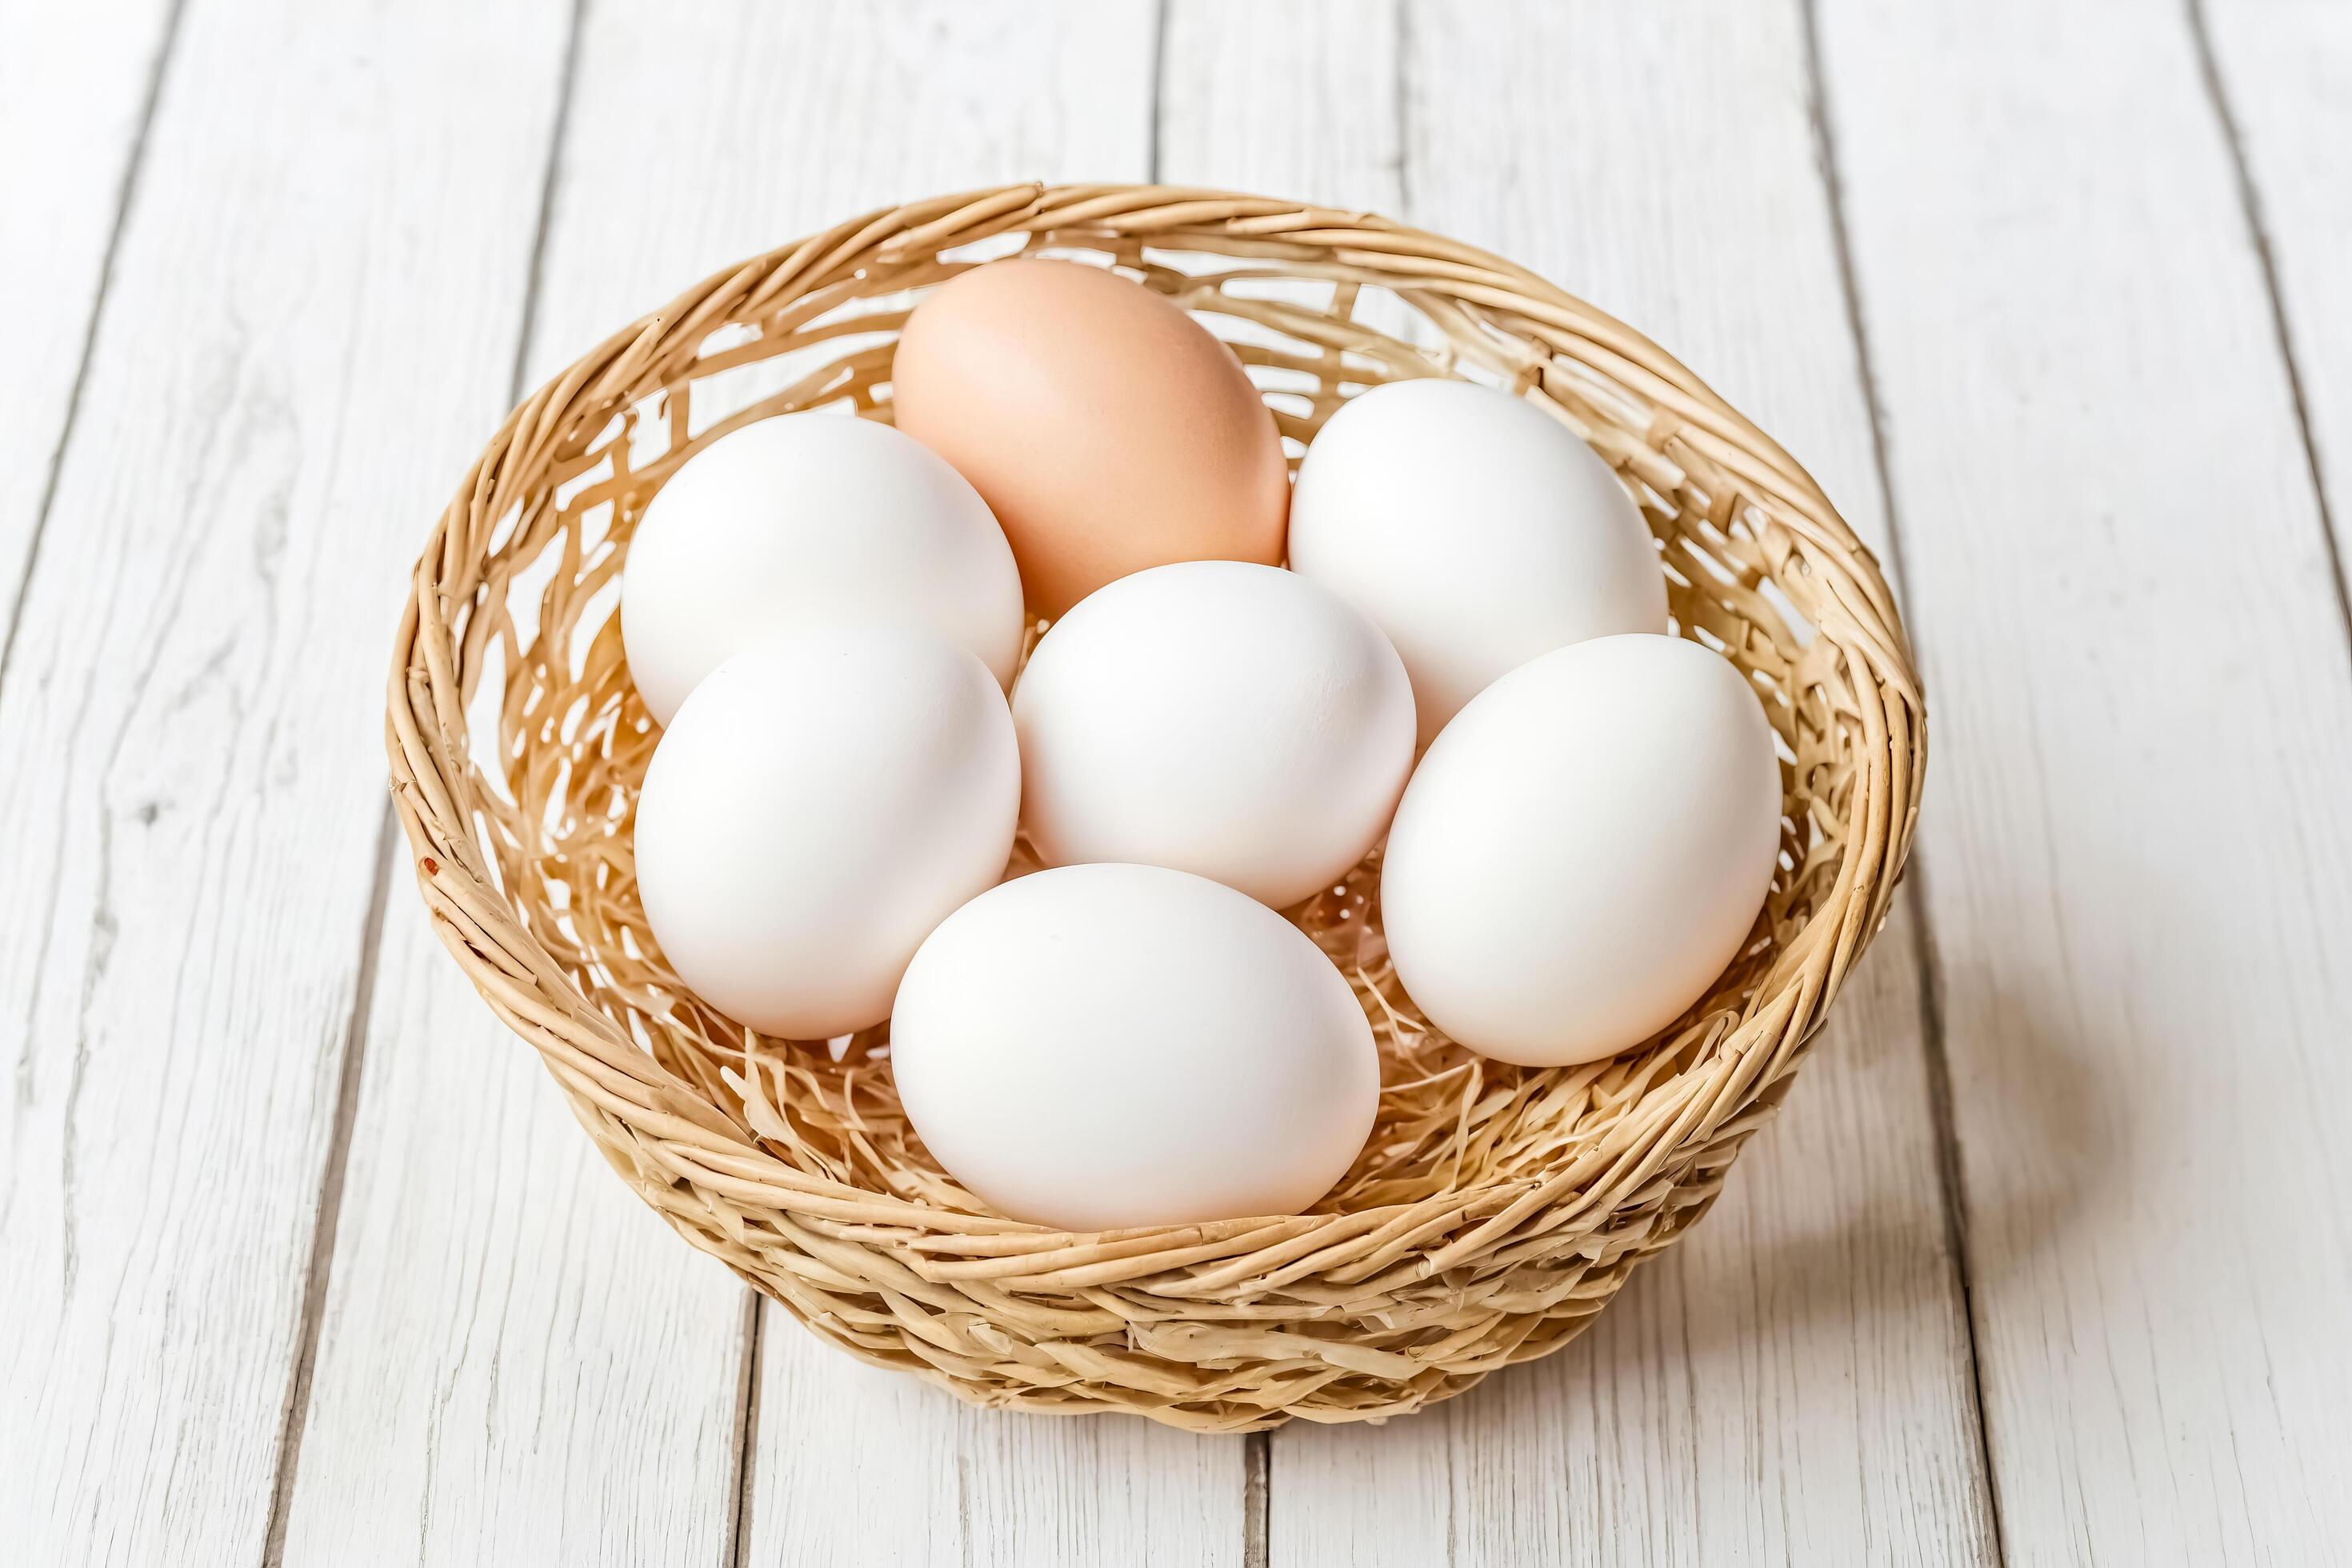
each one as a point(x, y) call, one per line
point(1495, 1209)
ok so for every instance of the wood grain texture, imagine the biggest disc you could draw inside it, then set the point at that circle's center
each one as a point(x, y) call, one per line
point(1791, 1382)
point(1299, 103)
point(2285, 73)
point(311, 314)
point(75, 88)
point(2139, 867)
point(791, 118)
point(861, 1465)
point(519, 1362)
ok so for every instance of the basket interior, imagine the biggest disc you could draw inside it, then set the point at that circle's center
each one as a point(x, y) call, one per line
point(559, 739)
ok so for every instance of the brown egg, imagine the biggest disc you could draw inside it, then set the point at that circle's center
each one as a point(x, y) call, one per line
point(1105, 427)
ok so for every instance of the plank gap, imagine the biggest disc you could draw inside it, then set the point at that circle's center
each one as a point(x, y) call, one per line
point(747, 1433)
point(1842, 246)
point(330, 1204)
point(1955, 1194)
point(1159, 90)
point(1258, 1465)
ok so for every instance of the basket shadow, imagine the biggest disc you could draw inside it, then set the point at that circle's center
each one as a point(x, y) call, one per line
point(1907, 1192)
point(1827, 1264)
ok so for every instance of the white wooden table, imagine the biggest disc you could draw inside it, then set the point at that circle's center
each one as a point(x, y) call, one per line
point(2050, 1259)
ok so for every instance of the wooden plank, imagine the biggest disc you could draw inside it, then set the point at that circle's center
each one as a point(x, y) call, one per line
point(93, 69)
point(1791, 1383)
point(2139, 871)
point(941, 96)
point(310, 320)
point(995, 1488)
point(2284, 73)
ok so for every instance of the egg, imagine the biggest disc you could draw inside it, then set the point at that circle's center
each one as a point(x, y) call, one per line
point(1583, 850)
point(1099, 1046)
point(1475, 529)
point(804, 520)
point(821, 802)
point(1108, 430)
point(1230, 720)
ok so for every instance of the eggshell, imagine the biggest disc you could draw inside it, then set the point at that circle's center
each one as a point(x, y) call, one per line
point(1475, 529)
point(810, 520)
point(1233, 720)
point(1108, 430)
point(1099, 1046)
point(1583, 850)
point(821, 802)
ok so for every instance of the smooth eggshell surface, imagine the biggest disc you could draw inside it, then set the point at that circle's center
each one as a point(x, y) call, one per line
point(1583, 850)
point(1108, 430)
point(1232, 721)
point(821, 802)
point(810, 520)
point(1099, 1047)
point(1475, 529)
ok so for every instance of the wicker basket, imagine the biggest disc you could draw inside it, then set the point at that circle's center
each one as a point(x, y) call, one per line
point(1495, 1209)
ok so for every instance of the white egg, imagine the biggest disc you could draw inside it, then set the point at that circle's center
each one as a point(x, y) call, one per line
point(1583, 850)
point(1230, 720)
point(810, 520)
point(1475, 529)
point(821, 801)
point(1099, 1046)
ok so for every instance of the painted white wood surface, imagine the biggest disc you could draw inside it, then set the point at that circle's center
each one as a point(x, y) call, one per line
point(519, 1362)
point(2285, 69)
point(310, 319)
point(1297, 101)
point(1791, 1383)
point(860, 1464)
point(2138, 869)
point(2137, 883)
point(774, 120)
point(74, 89)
